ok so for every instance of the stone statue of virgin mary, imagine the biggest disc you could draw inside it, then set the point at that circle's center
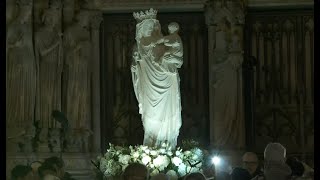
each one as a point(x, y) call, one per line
point(156, 81)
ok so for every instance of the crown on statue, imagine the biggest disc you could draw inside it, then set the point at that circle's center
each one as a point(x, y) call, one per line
point(148, 14)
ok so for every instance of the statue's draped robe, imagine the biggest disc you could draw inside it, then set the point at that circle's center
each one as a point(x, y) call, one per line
point(49, 58)
point(77, 76)
point(20, 77)
point(228, 102)
point(158, 95)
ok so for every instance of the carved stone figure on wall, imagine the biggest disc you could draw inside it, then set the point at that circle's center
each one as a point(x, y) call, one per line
point(77, 74)
point(11, 10)
point(48, 51)
point(26, 140)
point(54, 140)
point(20, 71)
point(228, 121)
point(23, 141)
point(156, 79)
point(78, 140)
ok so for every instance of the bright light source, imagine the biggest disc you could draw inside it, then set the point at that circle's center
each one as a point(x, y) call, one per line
point(216, 160)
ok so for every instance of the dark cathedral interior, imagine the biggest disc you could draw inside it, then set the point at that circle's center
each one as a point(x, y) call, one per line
point(159, 89)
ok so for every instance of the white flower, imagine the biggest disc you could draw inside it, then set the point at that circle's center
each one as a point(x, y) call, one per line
point(114, 161)
point(187, 153)
point(147, 151)
point(124, 159)
point(170, 153)
point(151, 165)
point(162, 150)
point(136, 155)
point(172, 174)
point(178, 153)
point(161, 162)
point(176, 161)
point(182, 169)
point(157, 161)
point(146, 159)
point(197, 151)
point(144, 154)
point(195, 157)
point(144, 147)
point(153, 153)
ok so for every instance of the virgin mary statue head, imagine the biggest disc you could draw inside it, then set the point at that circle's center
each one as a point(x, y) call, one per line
point(146, 23)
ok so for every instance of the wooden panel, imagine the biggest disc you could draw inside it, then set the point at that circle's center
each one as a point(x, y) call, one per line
point(282, 43)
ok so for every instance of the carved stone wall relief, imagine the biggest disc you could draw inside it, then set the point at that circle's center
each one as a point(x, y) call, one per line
point(227, 127)
point(20, 71)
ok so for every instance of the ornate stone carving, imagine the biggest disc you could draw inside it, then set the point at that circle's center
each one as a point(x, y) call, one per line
point(68, 11)
point(228, 123)
point(20, 71)
point(216, 10)
point(28, 139)
point(96, 21)
point(77, 72)
point(225, 20)
point(54, 140)
point(23, 141)
point(11, 11)
point(78, 140)
point(310, 25)
point(55, 4)
point(48, 51)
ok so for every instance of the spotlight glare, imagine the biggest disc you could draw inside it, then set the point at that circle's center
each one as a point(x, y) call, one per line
point(216, 160)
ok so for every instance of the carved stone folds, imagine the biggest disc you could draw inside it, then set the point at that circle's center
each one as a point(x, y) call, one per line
point(225, 20)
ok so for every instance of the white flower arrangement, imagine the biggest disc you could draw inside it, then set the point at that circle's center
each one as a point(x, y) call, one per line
point(175, 163)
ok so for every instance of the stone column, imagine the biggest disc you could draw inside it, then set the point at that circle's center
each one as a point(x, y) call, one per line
point(211, 46)
point(95, 40)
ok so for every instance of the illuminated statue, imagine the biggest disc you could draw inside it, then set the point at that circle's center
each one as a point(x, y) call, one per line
point(156, 79)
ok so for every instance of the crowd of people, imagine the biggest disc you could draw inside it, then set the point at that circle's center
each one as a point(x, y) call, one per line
point(50, 169)
point(275, 166)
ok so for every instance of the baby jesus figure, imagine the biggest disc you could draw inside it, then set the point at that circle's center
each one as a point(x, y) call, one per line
point(173, 56)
